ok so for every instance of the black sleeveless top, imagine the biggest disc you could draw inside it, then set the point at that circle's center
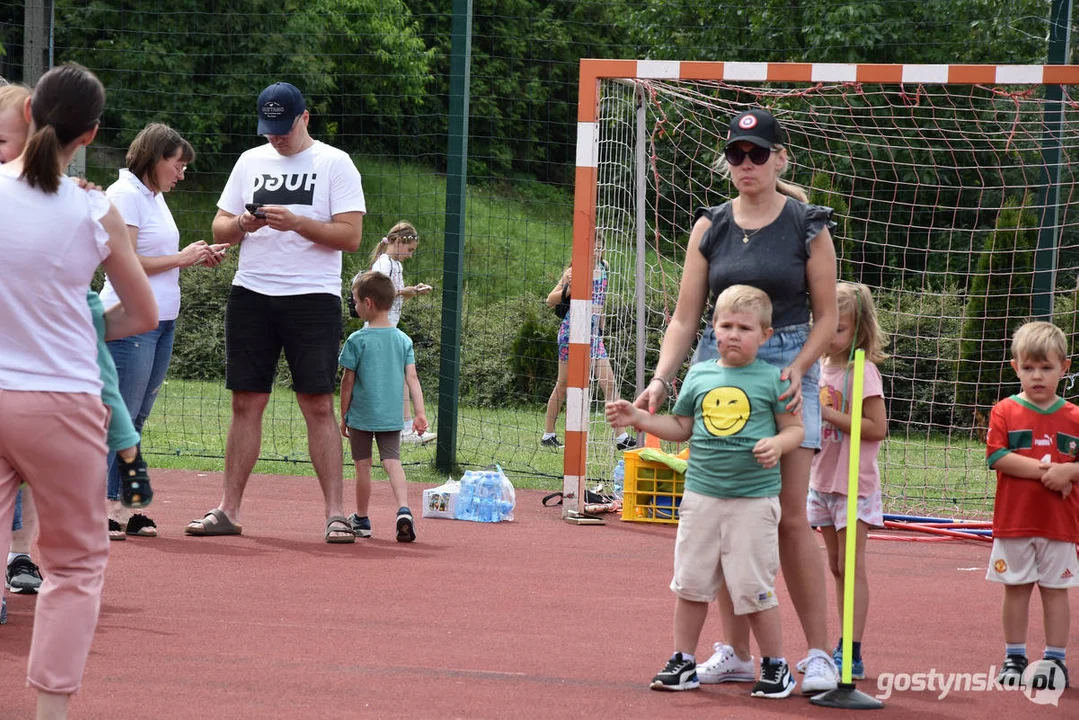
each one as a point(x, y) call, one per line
point(773, 260)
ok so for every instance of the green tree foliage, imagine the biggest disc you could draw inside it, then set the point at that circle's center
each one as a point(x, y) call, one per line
point(999, 300)
point(525, 61)
point(912, 31)
point(201, 71)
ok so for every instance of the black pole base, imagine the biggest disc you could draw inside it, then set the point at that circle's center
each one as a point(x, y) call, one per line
point(847, 697)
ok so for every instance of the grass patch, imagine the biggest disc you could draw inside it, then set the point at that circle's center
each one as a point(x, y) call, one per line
point(517, 240)
point(189, 424)
point(920, 475)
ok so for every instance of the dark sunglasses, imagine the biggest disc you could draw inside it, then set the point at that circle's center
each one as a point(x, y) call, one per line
point(736, 155)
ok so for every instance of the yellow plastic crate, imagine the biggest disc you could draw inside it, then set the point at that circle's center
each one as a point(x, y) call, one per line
point(651, 491)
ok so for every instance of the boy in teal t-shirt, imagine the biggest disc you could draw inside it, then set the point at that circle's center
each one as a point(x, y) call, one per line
point(378, 361)
point(728, 528)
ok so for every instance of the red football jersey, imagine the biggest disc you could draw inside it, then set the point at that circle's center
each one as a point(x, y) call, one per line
point(1024, 507)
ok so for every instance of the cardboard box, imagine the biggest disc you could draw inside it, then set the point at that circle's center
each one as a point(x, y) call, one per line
point(441, 501)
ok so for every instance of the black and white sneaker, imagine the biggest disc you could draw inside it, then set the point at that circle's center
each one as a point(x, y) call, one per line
point(406, 529)
point(776, 681)
point(1011, 672)
point(23, 576)
point(551, 442)
point(1048, 673)
point(624, 442)
point(677, 674)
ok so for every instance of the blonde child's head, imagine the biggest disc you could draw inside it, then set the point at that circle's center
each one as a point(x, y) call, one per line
point(376, 286)
point(745, 299)
point(856, 309)
point(403, 233)
point(1039, 341)
point(13, 125)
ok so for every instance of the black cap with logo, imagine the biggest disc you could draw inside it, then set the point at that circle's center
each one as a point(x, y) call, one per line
point(756, 126)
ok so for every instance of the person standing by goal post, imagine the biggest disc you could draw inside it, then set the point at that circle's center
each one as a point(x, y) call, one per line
point(293, 205)
point(770, 237)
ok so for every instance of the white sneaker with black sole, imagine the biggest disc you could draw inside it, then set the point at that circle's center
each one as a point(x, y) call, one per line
point(820, 673)
point(677, 674)
point(726, 666)
point(776, 681)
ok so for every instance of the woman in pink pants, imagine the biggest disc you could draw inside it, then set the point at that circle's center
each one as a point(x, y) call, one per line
point(53, 235)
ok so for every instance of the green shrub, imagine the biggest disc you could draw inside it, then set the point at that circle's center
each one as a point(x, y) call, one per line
point(919, 383)
point(999, 300)
point(534, 354)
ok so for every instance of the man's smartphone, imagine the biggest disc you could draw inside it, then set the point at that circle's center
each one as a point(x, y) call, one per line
point(256, 210)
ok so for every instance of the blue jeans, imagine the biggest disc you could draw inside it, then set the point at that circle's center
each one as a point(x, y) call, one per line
point(141, 364)
point(16, 519)
point(780, 351)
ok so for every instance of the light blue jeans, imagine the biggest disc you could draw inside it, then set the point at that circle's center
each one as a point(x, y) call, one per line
point(141, 364)
point(780, 351)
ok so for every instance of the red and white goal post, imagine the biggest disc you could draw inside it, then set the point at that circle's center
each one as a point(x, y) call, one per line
point(919, 162)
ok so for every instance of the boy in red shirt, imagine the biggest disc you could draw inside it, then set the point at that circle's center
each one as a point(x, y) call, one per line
point(1032, 444)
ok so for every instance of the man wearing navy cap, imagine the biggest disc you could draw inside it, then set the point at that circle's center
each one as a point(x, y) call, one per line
point(293, 206)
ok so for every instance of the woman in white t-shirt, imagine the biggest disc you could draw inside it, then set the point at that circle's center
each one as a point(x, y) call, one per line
point(156, 161)
point(399, 244)
point(53, 235)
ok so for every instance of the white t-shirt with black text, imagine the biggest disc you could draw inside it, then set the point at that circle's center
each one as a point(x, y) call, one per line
point(318, 183)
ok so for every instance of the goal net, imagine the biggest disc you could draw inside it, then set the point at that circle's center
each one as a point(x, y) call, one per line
point(952, 188)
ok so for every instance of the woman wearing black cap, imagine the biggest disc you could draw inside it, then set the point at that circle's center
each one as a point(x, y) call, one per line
point(770, 237)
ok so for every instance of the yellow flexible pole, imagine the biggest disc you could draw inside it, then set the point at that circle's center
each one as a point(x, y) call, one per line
point(851, 549)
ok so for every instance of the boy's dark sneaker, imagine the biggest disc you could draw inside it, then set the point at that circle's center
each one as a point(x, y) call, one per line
point(625, 442)
point(775, 680)
point(406, 529)
point(677, 674)
point(135, 490)
point(23, 576)
point(1011, 672)
point(551, 442)
point(1042, 668)
point(360, 525)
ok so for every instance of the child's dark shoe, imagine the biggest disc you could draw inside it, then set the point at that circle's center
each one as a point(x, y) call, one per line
point(135, 490)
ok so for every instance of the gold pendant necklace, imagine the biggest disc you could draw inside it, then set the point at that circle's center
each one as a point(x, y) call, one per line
point(747, 236)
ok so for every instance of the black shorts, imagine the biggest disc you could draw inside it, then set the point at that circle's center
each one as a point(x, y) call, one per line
point(257, 327)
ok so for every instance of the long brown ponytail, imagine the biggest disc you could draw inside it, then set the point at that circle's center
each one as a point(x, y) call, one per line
point(67, 101)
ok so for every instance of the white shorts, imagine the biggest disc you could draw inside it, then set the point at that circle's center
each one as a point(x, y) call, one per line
point(826, 509)
point(1021, 561)
point(732, 541)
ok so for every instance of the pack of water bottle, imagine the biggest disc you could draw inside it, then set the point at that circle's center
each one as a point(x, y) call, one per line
point(485, 496)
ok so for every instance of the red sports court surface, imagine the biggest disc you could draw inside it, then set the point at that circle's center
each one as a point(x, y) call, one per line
point(530, 619)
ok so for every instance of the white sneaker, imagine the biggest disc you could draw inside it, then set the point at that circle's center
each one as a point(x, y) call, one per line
point(411, 438)
point(820, 673)
point(725, 666)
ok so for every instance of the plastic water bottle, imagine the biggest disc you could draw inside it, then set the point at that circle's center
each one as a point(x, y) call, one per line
point(464, 509)
point(618, 478)
point(483, 503)
point(492, 496)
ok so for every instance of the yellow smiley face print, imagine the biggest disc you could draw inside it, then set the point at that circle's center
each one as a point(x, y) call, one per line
point(725, 411)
